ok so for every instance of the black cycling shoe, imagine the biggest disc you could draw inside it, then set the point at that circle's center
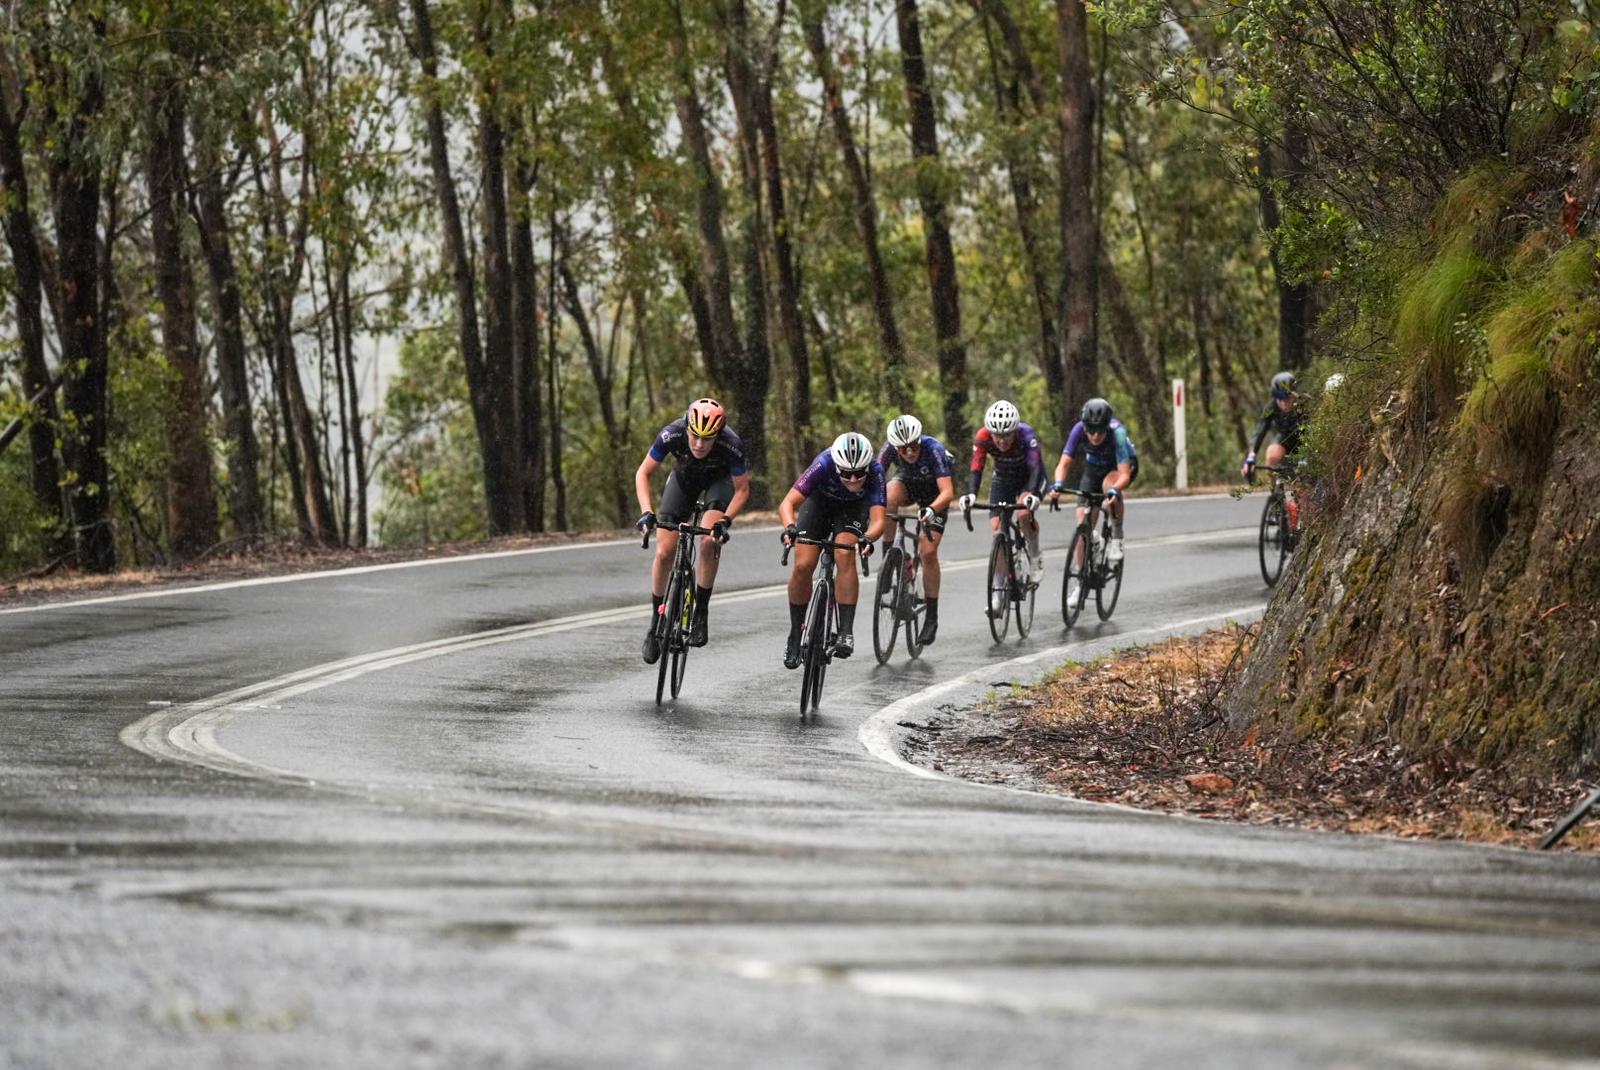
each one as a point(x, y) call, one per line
point(844, 646)
point(697, 630)
point(791, 653)
point(652, 646)
point(930, 628)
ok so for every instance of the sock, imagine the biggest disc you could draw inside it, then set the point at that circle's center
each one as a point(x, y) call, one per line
point(1116, 527)
point(702, 598)
point(1033, 546)
point(797, 618)
point(932, 605)
point(847, 619)
point(655, 602)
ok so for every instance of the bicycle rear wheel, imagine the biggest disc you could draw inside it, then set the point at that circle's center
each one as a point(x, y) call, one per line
point(886, 605)
point(997, 593)
point(1273, 542)
point(1075, 578)
point(1022, 601)
point(915, 607)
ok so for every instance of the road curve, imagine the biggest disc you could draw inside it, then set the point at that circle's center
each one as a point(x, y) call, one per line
point(432, 816)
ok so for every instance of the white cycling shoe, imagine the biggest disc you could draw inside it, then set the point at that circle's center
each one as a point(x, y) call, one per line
point(1036, 569)
point(1114, 551)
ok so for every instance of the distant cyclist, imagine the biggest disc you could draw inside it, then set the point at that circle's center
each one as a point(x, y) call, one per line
point(1101, 444)
point(1018, 474)
point(922, 474)
point(708, 462)
point(840, 498)
point(1283, 420)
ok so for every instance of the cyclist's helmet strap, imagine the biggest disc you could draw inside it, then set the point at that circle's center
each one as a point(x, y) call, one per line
point(852, 451)
point(1002, 418)
point(1096, 414)
point(1283, 385)
point(905, 430)
point(705, 417)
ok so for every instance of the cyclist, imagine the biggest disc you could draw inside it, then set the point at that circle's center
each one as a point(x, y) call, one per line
point(1018, 474)
point(1280, 417)
point(922, 474)
point(708, 462)
point(1100, 442)
point(839, 497)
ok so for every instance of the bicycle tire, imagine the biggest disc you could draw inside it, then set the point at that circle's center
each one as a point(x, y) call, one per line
point(998, 589)
point(664, 628)
point(813, 649)
point(1104, 606)
point(1022, 604)
point(916, 609)
point(1075, 577)
point(1271, 544)
point(886, 605)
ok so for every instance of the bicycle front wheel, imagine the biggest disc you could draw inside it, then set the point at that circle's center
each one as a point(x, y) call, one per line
point(814, 649)
point(886, 605)
point(1109, 590)
point(915, 607)
point(997, 593)
point(666, 636)
point(1274, 539)
point(1023, 605)
point(1075, 578)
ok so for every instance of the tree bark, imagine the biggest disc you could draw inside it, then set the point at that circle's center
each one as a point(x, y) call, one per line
point(558, 475)
point(1293, 297)
point(896, 381)
point(525, 298)
point(27, 286)
point(238, 419)
point(941, 259)
point(191, 504)
point(1145, 381)
point(599, 370)
point(1080, 242)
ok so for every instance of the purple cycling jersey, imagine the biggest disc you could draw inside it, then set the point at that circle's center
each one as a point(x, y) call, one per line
point(822, 480)
point(1022, 464)
point(933, 462)
point(1116, 448)
point(726, 456)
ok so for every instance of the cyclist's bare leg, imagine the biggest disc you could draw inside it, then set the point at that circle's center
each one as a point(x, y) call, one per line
point(1116, 504)
point(661, 567)
point(710, 555)
point(847, 581)
point(1276, 454)
point(805, 564)
point(1029, 526)
point(929, 551)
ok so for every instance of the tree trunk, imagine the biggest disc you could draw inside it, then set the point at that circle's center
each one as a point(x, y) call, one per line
point(1293, 298)
point(191, 505)
point(896, 381)
point(1146, 382)
point(558, 475)
point(604, 379)
point(1080, 243)
point(27, 285)
point(74, 167)
point(238, 419)
point(525, 297)
point(357, 442)
point(455, 241)
point(941, 259)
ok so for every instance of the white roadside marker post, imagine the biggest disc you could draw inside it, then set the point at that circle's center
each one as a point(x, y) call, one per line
point(1180, 452)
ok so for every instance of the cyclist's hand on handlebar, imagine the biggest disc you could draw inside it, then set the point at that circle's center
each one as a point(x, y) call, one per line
point(1113, 493)
point(865, 547)
point(1030, 502)
point(787, 535)
point(646, 521)
point(966, 502)
point(927, 515)
point(719, 530)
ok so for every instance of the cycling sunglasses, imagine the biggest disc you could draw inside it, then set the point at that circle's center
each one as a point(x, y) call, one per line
point(858, 474)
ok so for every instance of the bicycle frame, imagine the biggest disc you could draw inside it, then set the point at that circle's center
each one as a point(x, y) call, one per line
point(1018, 592)
point(672, 625)
point(817, 634)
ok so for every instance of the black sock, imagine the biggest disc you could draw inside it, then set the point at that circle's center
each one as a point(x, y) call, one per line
point(655, 602)
point(847, 619)
point(702, 597)
point(797, 617)
point(932, 605)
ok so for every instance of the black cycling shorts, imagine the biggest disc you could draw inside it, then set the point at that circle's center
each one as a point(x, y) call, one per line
point(1011, 488)
point(828, 518)
point(677, 500)
point(1094, 476)
point(923, 493)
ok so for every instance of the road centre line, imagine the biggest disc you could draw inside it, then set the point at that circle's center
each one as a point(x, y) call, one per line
point(390, 566)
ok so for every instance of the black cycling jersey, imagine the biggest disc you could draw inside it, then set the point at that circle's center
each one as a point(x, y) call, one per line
point(726, 456)
point(1287, 425)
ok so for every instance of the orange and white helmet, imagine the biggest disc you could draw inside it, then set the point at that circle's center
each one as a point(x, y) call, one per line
point(705, 417)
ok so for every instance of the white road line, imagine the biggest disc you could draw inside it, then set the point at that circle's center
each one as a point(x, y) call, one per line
point(877, 734)
point(360, 570)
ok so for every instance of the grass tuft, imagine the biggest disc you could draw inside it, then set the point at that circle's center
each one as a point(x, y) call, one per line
point(1433, 328)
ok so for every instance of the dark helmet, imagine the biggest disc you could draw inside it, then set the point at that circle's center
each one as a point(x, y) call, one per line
point(1283, 385)
point(1096, 415)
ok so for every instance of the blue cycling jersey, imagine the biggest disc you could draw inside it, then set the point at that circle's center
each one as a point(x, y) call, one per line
point(1117, 448)
point(822, 480)
point(933, 461)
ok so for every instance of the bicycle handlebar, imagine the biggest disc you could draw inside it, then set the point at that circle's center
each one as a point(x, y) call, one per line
point(1003, 507)
point(827, 544)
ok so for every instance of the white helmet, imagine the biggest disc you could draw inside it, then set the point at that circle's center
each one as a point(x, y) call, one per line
point(905, 430)
point(1002, 418)
point(852, 451)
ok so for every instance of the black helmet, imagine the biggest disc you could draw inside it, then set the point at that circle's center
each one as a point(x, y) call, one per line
point(1096, 415)
point(1283, 385)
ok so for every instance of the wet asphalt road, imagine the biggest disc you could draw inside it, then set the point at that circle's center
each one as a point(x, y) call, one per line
point(439, 821)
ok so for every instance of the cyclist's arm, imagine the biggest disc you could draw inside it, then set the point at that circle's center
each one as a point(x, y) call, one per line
point(946, 495)
point(641, 481)
point(1063, 466)
point(877, 524)
point(741, 494)
point(1124, 476)
point(975, 472)
point(1261, 429)
point(790, 506)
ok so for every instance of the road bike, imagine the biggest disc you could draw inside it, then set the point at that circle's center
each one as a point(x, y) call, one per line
point(1009, 593)
point(821, 628)
point(1087, 565)
point(676, 615)
point(1280, 529)
point(899, 599)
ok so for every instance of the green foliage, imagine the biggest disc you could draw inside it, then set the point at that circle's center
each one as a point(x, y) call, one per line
point(1433, 331)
